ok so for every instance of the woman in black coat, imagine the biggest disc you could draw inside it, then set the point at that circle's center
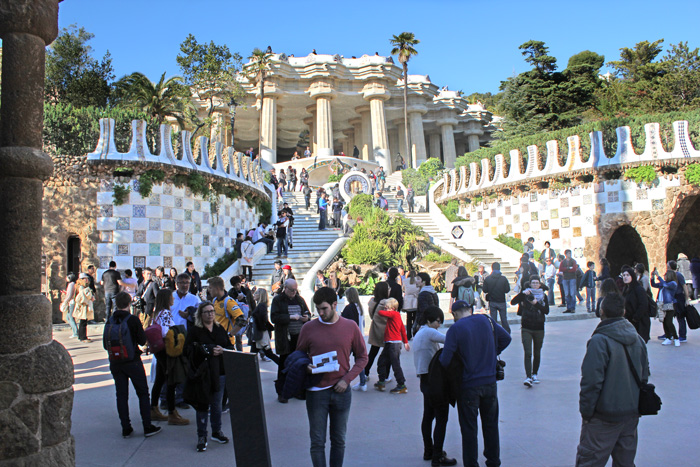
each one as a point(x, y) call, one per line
point(262, 327)
point(636, 303)
point(533, 305)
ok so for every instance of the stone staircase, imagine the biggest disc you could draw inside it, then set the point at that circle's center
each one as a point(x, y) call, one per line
point(309, 243)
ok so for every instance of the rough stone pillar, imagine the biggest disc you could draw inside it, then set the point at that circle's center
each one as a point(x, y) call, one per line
point(448, 143)
point(473, 141)
point(366, 134)
point(268, 130)
point(434, 145)
point(415, 122)
point(36, 372)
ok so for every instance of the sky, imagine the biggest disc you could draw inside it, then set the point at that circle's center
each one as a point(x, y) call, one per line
point(467, 45)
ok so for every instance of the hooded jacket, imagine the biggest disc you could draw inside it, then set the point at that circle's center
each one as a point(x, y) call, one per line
point(496, 287)
point(608, 389)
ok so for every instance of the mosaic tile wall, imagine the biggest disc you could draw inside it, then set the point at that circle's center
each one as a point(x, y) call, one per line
point(168, 229)
point(565, 218)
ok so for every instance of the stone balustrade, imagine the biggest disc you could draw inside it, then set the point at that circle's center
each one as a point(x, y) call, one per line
point(474, 179)
point(238, 168)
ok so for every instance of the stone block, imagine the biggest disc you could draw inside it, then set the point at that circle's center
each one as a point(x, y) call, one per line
point(17, 440)
point(31, 314)
point(107, 249)
point(8, 393)
point(27, 410)
point(60, 454)
point(45, 368)
point(154, 212)
point(139, 224)
point(154, 236)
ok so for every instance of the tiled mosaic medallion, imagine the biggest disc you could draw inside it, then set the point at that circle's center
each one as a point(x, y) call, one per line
point(555, 233)
point(205, 217)
point(577, 231)
point(139, 210)
point(188, 214)
point(197, 207)
point(657, 204)
point(508, 210)
point(154, 249)
point(167, 190)
point(526, 226)
point(205, 240)
point(178, 226)
point(106, 210)
point(106, 236)
point(544, 225)
point(154, 199)
point(564, 202)
point(534, 216)
point(642, 194)
point(154, 224)
point(139, 261)
point(587, 199)
point(600, 209)
point(167, 212)
point(198, 250)
point(123, 223)
point(554, 214)
point(576, 211)
point(167, 262)
point(104, 262)
point(178, 202)
point(167, 238)
point(139, 236)
point(123, 249)
point(613, 196)
point(178, 249)
point(188, 239)
point(565, 222)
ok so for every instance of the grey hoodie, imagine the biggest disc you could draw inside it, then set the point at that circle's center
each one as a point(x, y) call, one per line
point(608, 389)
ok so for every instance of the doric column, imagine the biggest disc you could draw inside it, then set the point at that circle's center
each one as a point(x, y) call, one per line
point(323, 93)
point(366, 133)
point(415, 122)
point(459, 146)
point(434, 145)
point(473, 141)
point(349, 141)
point(357, 134)
point(402, 139)
point(376, 93)
point(448, 142)
point(36, 372)
point(311, 122)
point(268, 130)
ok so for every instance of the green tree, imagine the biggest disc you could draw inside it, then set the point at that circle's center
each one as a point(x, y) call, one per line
point(679, 87)
point(210, 72)
point(256, 71)
point(536, 54)
point(638, 64)
point(166, 98)
point(73, 75)
point(403, 47)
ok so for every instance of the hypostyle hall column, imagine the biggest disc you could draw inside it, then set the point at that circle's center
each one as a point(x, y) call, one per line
point(36, 372)
point(415, 122)
point(268, 129)
point(434, 145)
point(323, 93)
point(366, 152)
point(473, 141)
point(376, 93)
point(448, 142)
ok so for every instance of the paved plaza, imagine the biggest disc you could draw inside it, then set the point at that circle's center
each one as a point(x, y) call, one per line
point(539, 426)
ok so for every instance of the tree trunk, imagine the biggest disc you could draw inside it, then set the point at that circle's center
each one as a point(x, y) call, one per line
point(409, 156)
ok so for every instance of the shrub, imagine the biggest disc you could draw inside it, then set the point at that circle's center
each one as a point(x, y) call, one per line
point(120, 194)
point(641, 174)
point(432, 168)
point(438, 257)
point(451, 210)
point(361, 206)
point(511, 242)
point(692, 174)
point(220, 265)
point(147, 179)
point(416, 180)
point(332, 178)
point(368, 252)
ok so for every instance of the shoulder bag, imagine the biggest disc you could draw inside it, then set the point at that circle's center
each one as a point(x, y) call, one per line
point(649, 401)
point(500, 364)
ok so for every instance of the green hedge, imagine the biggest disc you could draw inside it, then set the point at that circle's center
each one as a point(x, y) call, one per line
point(608, 127)
point(451, 211)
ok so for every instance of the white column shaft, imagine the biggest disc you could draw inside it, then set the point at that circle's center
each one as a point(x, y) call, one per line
point(380, 143)
point(434, 145)
point(448, 146)
point(473, 141)
point(415, 121)
point(324, 126)
point(366, 146)
point(268, 130)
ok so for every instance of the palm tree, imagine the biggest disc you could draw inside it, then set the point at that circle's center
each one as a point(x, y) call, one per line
point(403, 47)
point(166, 98)
point(256, 72)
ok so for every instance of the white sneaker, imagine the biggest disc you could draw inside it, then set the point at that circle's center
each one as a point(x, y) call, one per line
point(535, 380)
point(667, 342)
point(677, 343)
point(388, 378)
point(528, 382)
point(363, 388)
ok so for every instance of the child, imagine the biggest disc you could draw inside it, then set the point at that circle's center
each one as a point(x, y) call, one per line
point(394, 336)
point(588, 281)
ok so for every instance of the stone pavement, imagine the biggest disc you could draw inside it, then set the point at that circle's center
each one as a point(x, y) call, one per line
point(539, 426)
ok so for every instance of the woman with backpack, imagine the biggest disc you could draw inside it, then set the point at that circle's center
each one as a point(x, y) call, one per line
point(636, 303)
point(463, 287)
point(163, 317)
point(533, 305)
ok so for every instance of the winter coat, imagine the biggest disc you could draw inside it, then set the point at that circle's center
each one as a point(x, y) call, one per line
point(533, 316)
point(396, 291)
point(637, 310)
point(84, 304)
point(668, 289)
point(279, 314)
point(261, 321)
point(695, 272)
point(378, 326)
point(247, 252)
point(298, 379)
point(609, 391)
point(450, 276)
point(496, 287)
point(410, 298)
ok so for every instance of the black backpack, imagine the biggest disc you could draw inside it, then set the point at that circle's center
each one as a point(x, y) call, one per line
point(443, 383)
point(117, 340)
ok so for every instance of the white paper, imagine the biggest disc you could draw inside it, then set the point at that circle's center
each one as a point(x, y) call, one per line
point(325, 362)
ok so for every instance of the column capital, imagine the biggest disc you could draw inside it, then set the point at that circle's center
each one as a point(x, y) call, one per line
point(375, 90)
point(309, 120)
point(362, 109)
point(473, 131)
point(419, 109)
point(355, 121)
point(321, 89)
point(447, 121)
point(35, 17)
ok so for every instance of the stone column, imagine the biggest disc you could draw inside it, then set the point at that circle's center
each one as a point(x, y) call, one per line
point(448, 142)
point(268, 129)
point(357, 134)
point(36, 372)
point(473, 140)
point(459, 146)
point(366, 133)
point(323, 93)
point(434, 145)
point(415, 122)
point(376, 93)
point(402, 141)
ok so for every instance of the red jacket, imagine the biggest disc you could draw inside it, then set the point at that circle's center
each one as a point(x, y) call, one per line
point(395, 330)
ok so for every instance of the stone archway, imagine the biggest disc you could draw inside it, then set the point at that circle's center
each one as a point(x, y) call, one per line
point(684, 229)
point(625, 247)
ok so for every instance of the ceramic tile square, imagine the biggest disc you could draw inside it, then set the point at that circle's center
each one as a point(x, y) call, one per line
point(139, 261)
point(123, 250)
point(564, 202)
point(178, 226)
point(554, 214)
point(104, 262)
point(575, 191)
point(139, 210)
point(480, 232)
point(565, 222)
point(479, 215)
point(154, 249)
point(106, 236)
point(486, 222)
point(167, 237)
point(613, 196)
point(205, 217)
point(106, 210)
point(492, 213)
point(526, 226)
point(188, 239)
point(508, 211)
point(657, 204)
point(642, 194)
point(139, 236)
point(509, 229)
point(515, 201)
point(197, 207)
point(178, 250)
point(167, 213)
point(188, 214)
point(587, 199)
point(525, 208)
point(627, 206)
point(178, 202)
point(198, 250)
point(167, 189)
point(167, 260)
point(600, 209)
point(188, 192)
point(516, 218)
point(205, 240)
point(220, 241)
point(555, 233)
point(500, 221)
point(577, 231)
point(106, 185)
point(544, 225)
point(534, 216)
point(553, 194)
point(533, 197)
point(544, 205)
point(135, 185)
point(154, 224)
point(154, 199)
point(589, 220)
point(517, 235)
point(576, 211)
point(233, 240)
point(123, 223)
point(197, 228)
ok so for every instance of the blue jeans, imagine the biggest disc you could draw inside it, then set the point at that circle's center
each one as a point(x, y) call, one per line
point(122, 373)
point(400, 201)
point(570, 293)
point(71, 320)
point(550, 292)
point(590, 299)
point(214, 411)
point(363, 378)
point(483, 401)
point(322, 219)
point(320, 406)
point(282, 246)
point(109, 304)
point(502, 309)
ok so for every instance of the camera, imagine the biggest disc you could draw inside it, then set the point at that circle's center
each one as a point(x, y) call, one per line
point(500, 370)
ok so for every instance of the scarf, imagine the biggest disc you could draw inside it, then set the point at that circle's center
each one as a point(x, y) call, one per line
point(537, 293)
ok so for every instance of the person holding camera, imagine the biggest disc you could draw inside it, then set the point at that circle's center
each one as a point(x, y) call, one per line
point(476, 340)
point(533, 305)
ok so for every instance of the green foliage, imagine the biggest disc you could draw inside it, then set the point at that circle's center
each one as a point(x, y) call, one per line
point(74, 131)
point(147, 179)
point(73, 75)
point(120, 194)
point(438, 257)
point(368, 252)
point(692, 174)
point(451, 210)
point(335, 178)
point(220, 265)
point(367, 287)
point(432, 168)
point(264, 208)
point(166, 98)
point(361, 206)
point(123, 172)
point(267, 176)
point(511, 242)
point(641, 174)
point(416, 180)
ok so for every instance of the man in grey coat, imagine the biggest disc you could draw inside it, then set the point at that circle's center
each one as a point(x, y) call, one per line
point(609, 396)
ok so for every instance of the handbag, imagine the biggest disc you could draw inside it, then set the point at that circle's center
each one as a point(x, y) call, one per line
point(692, 316)
point(500, 364)
point(649, 401)
point(154, 336)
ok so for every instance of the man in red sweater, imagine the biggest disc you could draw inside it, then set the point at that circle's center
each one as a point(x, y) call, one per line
point(394, 337)
point(331, 397)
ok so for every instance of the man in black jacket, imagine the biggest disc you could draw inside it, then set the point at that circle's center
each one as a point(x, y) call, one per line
point(148, 291)
point(196, 282)
point(496, 287)
point(132, 370)
point(288, 313)
point(427, 297)
point(395, 289)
